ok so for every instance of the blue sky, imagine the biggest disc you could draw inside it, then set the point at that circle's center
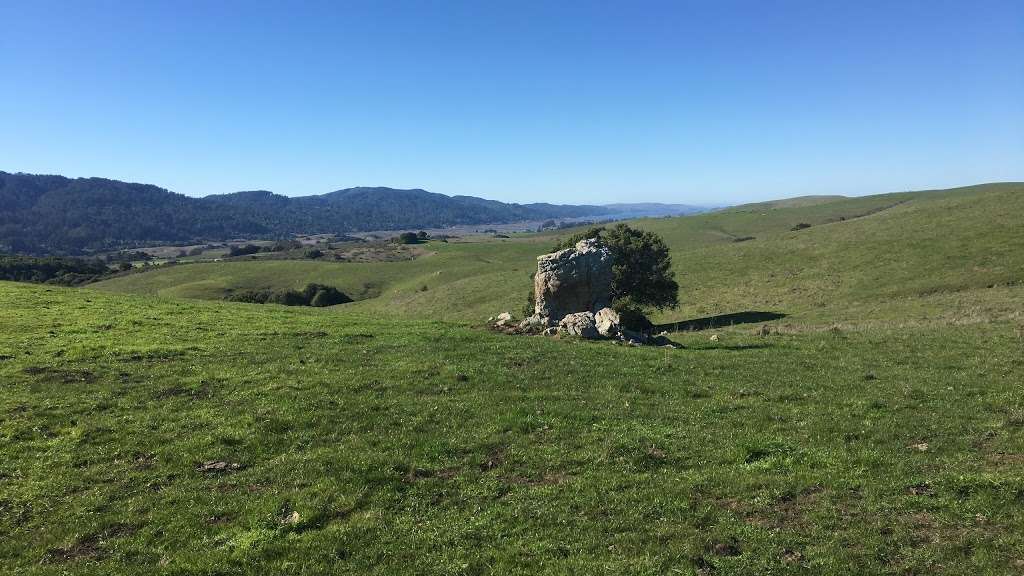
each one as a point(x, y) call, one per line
point(572, 102)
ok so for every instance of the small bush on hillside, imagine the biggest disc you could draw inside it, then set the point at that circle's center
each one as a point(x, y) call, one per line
point(530, 306)
point(320, 295)
point(317, 295)
point(800, 226)
point(250, 296)
point(243, 250)
point(408, 238)
point(288, 298)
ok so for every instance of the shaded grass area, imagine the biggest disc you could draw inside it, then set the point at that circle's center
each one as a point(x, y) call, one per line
point(352, 443)
point(720, 321)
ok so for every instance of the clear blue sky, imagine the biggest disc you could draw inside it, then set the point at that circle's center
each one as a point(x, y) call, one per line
point(702, 102)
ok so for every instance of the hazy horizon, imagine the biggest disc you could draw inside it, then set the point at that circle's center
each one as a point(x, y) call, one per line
point(580, 103)
point(634, 200)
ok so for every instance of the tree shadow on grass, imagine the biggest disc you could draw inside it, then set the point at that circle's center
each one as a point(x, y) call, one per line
point(722, 320)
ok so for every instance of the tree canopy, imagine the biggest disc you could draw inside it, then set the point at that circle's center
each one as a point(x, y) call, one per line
point(642, 270)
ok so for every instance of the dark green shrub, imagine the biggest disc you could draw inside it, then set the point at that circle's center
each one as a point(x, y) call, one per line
point(317, 295)
point(407, 238)
point(642, 269)
point(631, 315)
point(288, 298)
point(329, 296)
point(530, 306)
point(250, 296)
point(244, 250)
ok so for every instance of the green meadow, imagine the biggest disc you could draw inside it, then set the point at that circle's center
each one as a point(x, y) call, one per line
point(860, 410)
point(892, 259)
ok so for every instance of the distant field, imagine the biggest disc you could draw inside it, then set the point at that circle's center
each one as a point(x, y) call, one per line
point(917, 257)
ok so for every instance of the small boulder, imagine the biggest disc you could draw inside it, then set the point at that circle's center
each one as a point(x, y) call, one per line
point(580, 324)
point(607, 322)
point(532, 324)
point(218, 466)
point(504, 319)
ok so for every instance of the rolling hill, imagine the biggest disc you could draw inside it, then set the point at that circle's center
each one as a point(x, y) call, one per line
point(45, 214)
point(862, 415)
point(941, 254)
point(53, 214)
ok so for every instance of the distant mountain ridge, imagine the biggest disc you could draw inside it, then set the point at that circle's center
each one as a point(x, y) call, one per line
point(43, 214)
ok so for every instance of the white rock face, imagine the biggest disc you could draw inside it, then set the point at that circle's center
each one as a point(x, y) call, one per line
point(579, 324)
point(577, 279)
point(607, 322)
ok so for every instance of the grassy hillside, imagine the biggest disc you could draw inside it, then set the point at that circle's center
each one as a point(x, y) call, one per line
point(467, 279)
point(365, 445)
point(148, 427)
point(948, 256)
point(945, 256)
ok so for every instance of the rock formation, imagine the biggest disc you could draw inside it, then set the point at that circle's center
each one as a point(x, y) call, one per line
point(607, 322)
point(579, 324)
point(572, 296)
point(577, 279)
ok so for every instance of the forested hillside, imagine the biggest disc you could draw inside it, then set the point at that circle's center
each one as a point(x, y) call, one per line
point(58, 215)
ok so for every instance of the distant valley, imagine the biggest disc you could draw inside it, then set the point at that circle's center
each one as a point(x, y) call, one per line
point(41, 214)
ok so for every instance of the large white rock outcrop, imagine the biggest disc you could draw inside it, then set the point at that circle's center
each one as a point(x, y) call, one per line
point(577, 279)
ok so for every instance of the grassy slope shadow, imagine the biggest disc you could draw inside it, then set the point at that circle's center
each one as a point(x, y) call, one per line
point(719, 321)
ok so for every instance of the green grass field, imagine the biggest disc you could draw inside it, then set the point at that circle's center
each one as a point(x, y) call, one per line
point(879, 429)
point(895, 259)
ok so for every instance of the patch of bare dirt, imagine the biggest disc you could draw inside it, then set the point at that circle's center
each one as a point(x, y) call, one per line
point(63, 375)
point(495, 458)
point(789, 511)
point(90, 546)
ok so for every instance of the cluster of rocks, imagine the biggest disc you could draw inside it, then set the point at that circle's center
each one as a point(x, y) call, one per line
point(572, 296)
